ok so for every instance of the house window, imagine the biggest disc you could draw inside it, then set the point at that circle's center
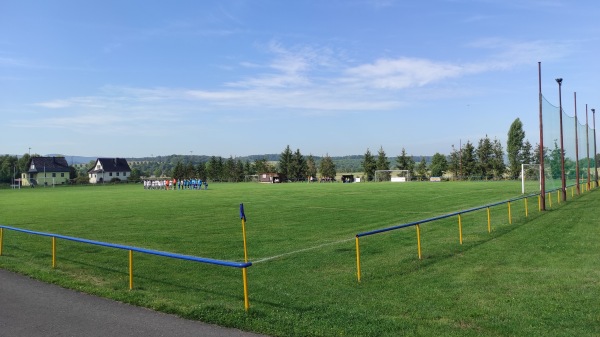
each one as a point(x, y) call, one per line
point(117, 174)
point(110, 174)
point(53, 175)
point(62, 174)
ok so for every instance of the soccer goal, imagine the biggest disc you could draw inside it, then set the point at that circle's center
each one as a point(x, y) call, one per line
point(392, 175)
point(531, 178)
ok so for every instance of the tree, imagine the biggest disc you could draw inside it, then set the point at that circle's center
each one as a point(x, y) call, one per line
point(469, 162)
point(454, 163)
point(311, 167)
point(514, 147)
point(262, 166)
point(134, 176)
point(405, 162)
point(285, 162)
point(201, 171)
point(178, 171)
point(527, 153)
point(383, 163)
point(422, 169)
point(484, 158)
point(439, 165)
point(498, 166)
point(555, 162)
point(327, 168)
point(369, 165)
point(298, 167)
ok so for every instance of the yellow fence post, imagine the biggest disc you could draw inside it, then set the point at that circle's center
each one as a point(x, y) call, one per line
point(550, 198)
point(558, 196)
point(130, 269)
point(539, 203)
point(419, 240)
point(526, 208)
point(460, 229)
point(489, 220)
point(53, 252)
point(509, 214)
point(357, 259)
point(1, 239)
point(246, 300)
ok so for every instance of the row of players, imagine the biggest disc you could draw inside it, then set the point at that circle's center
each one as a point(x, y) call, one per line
point(174, 184)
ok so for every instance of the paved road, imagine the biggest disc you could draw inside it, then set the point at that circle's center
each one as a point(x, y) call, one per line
point(32, 308)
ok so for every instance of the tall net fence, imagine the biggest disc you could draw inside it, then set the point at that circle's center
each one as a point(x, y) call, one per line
point(578, 143)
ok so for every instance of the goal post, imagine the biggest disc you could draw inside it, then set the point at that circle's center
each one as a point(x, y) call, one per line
point(531, 172)
point(392, 175)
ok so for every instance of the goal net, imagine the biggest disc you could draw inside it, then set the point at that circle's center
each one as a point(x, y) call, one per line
point(531, 178)
point(392, 175)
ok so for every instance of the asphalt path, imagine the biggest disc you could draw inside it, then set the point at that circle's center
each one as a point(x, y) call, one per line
point(32, 308)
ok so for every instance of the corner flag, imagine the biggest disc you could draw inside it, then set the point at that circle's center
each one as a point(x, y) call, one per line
point(242, 215)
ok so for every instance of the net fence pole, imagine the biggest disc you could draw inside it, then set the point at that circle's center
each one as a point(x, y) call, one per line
point(541, 150)
point(576, 147)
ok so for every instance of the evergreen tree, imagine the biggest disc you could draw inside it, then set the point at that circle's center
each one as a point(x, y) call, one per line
point(383, 164)
point(311, 167)
point(498, 166)
point(229, 172)
point(189, 171)
point(327, 168)
point(369, 165)
point(454, 163)
point(469, 162)
point(514, 147)
point(178, 171)
point(261, 166)
point(555, 162)
point(527, 153)
point(536, 154)
point(201, 170)
point(422, 169)
point(285, 162)
point(405, 162)
point(439, 165)
point(485, 154)
point(298, 166)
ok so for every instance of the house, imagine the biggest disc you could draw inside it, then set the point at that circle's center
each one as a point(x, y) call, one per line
point(271, 178)
point(46, 171)
point(109, 169)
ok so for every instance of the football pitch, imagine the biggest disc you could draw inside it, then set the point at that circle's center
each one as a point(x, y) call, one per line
point(536, 276)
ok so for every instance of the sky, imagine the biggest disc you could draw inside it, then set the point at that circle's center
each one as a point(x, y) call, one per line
point(243, 77)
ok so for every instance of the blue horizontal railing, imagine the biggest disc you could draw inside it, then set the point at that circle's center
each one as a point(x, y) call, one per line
point(136, 249)
point(382, 230)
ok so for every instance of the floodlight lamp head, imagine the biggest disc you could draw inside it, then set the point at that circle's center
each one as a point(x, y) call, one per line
point(593, 111)
point(559, 81)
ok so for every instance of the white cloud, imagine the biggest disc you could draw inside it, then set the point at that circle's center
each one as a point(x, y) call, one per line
point(401, 73)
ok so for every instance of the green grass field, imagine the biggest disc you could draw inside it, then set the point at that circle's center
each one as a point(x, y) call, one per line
point(537, 276)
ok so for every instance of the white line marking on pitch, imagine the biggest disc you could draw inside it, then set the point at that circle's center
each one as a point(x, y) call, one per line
point(300, 251)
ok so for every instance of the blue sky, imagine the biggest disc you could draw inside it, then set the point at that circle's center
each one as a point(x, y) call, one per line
point(235, 78)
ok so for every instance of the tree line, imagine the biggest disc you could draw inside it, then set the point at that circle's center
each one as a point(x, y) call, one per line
point(484, 160)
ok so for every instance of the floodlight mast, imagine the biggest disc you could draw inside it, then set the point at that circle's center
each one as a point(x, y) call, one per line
point(562, 147)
